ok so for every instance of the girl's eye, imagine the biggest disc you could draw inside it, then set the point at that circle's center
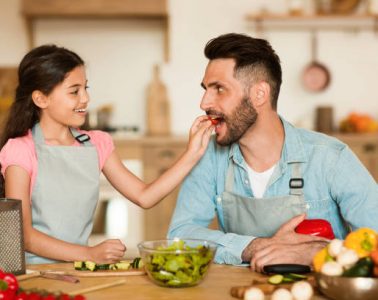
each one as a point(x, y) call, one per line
point(75, 92)
point(86, 87)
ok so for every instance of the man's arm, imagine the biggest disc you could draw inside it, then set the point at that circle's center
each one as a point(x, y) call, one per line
point(355, 191)
point(286, 246)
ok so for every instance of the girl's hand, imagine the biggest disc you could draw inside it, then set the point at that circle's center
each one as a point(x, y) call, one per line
point(199, 136)
point(107, 252)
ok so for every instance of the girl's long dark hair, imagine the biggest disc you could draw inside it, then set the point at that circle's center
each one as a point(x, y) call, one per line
point(42, 69)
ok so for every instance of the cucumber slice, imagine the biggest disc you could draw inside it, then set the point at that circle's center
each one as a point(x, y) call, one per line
point(295, 276)
point(78, 265)
point(276, 279)
point(137, 263)
point(123, 265)
point(91, 266)
point(287, 279)
point(102, 267)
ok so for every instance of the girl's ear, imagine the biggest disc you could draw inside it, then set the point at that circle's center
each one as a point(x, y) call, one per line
point(39, 99)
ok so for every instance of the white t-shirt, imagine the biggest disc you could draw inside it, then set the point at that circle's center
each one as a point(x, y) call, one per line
point(259, 181)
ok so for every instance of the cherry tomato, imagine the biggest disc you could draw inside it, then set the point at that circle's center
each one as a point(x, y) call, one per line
point(79, 297)
point(12, 282)
point(6, 295)
point(22, 296)
point(64, 297)
point(214, 121)
point(49, 297)
point(34, 296)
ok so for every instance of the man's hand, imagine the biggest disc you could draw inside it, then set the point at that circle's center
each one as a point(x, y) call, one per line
point(286, 246)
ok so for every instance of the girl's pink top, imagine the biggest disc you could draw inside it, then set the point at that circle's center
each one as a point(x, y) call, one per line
point(21, 152)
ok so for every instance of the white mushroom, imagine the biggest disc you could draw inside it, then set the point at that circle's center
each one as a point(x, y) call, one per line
point(335, 247)
point(254, 293)
point(347, 258)
point(331, 268)
point(282, 294)
point(302, 290)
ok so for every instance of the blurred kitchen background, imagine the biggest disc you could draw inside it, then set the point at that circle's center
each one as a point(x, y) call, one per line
point(146, 54)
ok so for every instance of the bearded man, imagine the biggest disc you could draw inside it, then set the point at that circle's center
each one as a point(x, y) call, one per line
point(260, 175)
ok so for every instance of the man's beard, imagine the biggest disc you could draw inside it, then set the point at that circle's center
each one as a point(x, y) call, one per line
point(240, 120)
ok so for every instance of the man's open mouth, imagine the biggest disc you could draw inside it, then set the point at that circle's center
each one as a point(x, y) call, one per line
point(216, 120)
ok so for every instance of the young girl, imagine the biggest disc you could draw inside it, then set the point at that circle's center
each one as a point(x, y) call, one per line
point(54, 167)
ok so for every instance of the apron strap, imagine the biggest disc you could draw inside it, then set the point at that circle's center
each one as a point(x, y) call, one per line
point(229, 185)
point(82, 138)
point(296, 182)
point(37, 134)
point(39, 138)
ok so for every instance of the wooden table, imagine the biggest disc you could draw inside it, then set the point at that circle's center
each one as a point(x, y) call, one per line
point(216, 285)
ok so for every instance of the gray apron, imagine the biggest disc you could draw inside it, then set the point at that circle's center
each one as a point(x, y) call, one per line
point(261, 217)
point(66, 190)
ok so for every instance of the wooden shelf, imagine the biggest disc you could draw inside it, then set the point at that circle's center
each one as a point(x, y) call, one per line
point(100, 9)
point(95, 8)
point(314, 21)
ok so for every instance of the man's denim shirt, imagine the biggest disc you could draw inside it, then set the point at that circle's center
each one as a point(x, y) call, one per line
point(337, 187)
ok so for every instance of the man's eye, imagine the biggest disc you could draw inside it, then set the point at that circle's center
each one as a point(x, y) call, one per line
point(220, 89)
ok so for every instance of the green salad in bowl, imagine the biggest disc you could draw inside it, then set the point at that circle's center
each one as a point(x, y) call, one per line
point(177, 262)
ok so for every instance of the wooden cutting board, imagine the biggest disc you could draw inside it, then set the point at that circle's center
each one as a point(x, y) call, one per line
point(99, 273)
point(77, 273)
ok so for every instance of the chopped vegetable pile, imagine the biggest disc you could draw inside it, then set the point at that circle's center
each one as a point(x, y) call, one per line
point(183, 268)
point(122, 265)
point(357, 256)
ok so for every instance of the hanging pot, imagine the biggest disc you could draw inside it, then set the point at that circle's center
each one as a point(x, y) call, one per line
point(316, 76)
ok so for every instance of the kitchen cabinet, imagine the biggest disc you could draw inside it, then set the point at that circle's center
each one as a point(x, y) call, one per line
point(101, 9)
point(365, 146)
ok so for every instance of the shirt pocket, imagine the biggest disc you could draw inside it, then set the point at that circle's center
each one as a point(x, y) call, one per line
point(323, 208)
point(326, 209)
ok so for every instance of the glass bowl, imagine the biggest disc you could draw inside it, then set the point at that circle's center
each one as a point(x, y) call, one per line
point(177, 262)
point(347, 288)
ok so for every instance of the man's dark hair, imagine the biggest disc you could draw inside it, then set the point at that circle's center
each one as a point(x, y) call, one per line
point(255, 60)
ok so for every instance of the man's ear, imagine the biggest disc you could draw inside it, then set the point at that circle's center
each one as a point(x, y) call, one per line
point(260, 93)
point(39, 99)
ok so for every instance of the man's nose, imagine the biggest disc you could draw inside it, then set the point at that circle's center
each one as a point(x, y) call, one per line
point(206, 102)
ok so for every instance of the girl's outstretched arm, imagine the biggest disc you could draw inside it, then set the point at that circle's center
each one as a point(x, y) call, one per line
point(17, 183)
point(148, 195)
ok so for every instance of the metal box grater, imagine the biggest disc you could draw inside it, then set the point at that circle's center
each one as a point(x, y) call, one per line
point(12, 254)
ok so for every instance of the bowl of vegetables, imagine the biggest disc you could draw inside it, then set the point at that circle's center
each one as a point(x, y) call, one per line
point(177, 262)
point(349, 269)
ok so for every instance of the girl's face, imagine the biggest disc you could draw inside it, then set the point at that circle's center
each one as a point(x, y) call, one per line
point(67, 103)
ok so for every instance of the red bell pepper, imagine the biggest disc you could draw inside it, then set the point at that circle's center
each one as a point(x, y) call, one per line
point(316, 227)
point(8, 286)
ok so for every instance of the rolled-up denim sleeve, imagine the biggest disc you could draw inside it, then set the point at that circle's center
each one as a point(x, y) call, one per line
point(195, 209)
point(355, 191)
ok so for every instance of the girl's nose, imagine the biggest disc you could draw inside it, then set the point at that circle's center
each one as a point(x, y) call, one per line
point(85, 97)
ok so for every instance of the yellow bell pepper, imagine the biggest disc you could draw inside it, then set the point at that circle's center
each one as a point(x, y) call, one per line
point(363, 241)
point(320, 258)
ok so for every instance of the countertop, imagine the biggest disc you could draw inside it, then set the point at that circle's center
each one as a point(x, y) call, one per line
point(217, 284)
